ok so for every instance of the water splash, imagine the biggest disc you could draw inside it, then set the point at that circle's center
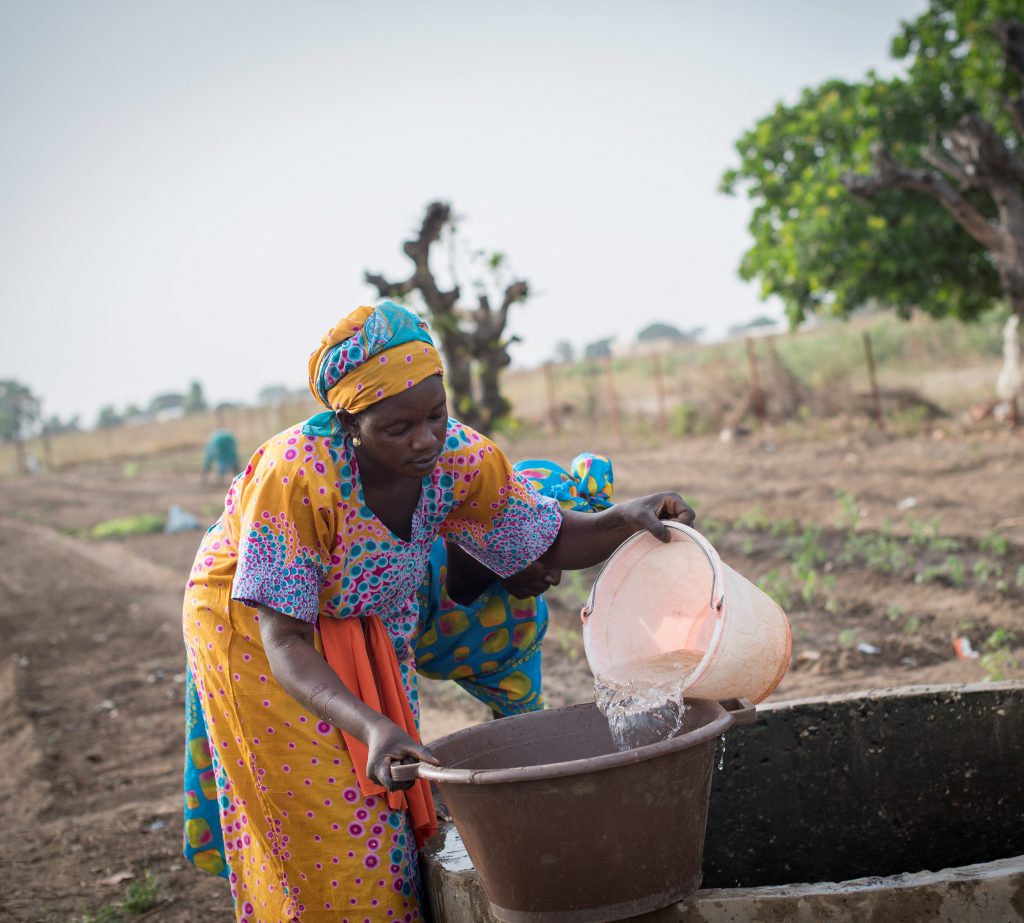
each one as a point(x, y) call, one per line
point(647, 705)
point(721, 752)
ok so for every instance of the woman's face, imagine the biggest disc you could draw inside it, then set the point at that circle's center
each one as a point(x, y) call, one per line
point(404, 434)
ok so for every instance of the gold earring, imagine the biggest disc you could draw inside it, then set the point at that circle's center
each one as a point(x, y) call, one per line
point(356, 440)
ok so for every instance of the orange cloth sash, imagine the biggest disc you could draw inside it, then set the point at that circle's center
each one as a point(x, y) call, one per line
point(360, 651)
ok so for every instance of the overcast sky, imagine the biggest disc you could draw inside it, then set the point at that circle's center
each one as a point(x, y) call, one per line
point(192, 190)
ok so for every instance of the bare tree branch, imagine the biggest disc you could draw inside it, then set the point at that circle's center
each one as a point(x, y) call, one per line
point(388, 289)
point(515, 293)
point(890, 174)
point(943, 164)
point(982, 153)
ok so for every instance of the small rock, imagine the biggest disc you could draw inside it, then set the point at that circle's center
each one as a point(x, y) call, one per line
point(157, 825)
point(866, 648)
point(907, 503)
point(116, 878)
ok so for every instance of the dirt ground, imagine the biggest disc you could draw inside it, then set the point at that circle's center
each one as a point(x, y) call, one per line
point(91, 678)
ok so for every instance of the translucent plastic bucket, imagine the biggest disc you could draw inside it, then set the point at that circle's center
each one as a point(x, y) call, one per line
point(654, 598)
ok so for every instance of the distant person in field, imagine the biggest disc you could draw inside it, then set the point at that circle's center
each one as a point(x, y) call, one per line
point(300, 618)
point(485, 632)
point(220, 457)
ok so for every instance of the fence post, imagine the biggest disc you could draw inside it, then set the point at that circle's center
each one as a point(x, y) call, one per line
point(613, 401)
point(549, 383)
point(659, 387)
point(876, 396)
point(756, 392)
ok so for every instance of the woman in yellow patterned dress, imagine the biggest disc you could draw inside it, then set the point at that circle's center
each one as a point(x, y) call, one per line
point(300, 614)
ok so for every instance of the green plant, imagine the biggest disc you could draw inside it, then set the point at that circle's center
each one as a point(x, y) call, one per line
point(569, 641)
point(712, 529)
point(998, 659)
point(683, 421)
point(955, 570)
point(875, 550)
point(806, 548)
point(943, 543)
point(783, 527)
point(753, 520)
point(128, 525)
point(951, 571)
point(849, 511)
point(142, 893)
point(894, 613)
point(985, 569)
point(995, 544)
point(921, 533)
point(847, 637)
point(779, 587)
point(912, 625)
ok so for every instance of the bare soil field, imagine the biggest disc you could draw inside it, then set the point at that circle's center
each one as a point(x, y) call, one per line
point(883, 548)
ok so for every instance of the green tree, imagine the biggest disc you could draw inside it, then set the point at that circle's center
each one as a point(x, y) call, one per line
point(907, 190)
point(20, 411)
point(108, 417)
point(662, 331)
point(195, 400)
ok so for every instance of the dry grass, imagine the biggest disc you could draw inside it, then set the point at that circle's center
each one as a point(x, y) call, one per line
point(819, 373)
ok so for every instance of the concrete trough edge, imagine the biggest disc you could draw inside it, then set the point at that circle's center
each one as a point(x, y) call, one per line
point(985, 892)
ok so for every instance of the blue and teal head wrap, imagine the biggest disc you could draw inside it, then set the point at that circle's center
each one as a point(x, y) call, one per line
point(369, 355)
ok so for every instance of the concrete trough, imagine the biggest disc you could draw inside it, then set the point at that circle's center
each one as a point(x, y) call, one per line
point(891, 805)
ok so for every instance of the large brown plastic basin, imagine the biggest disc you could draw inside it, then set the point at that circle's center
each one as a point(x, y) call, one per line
point(562, 828)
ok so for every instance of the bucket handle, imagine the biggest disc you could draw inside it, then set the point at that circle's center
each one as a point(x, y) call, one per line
point(717, 578)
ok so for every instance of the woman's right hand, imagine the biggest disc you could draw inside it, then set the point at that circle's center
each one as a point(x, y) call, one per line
point(387, 744)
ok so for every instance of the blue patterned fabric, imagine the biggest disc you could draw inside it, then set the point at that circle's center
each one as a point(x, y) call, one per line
point(586, 488)
point(492, 646)
point(203, 836)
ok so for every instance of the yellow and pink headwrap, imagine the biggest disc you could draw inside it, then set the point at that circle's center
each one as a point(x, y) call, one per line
point(372, 354)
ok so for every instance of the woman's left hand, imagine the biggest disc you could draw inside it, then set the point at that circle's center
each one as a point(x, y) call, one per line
point(648, 512)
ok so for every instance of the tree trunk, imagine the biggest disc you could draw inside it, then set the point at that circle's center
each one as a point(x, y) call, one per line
point(470, 340)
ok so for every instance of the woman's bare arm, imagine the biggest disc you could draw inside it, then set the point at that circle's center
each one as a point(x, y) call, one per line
point(586, 539)
point(308, 678)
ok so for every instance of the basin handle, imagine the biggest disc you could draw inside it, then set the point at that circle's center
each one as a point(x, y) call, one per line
point(741, 710)
point(404, 772)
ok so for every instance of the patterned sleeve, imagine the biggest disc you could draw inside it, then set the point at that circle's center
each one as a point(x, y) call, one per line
point(282, 514)
point(498, 517)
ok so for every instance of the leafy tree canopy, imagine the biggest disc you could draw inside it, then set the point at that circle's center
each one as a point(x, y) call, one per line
point(906, 142)
point(663, 331)
point(194, 400)
point(20, 410)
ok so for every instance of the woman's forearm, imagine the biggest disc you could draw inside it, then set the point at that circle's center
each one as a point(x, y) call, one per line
point(586, 539)
point(307, 677)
